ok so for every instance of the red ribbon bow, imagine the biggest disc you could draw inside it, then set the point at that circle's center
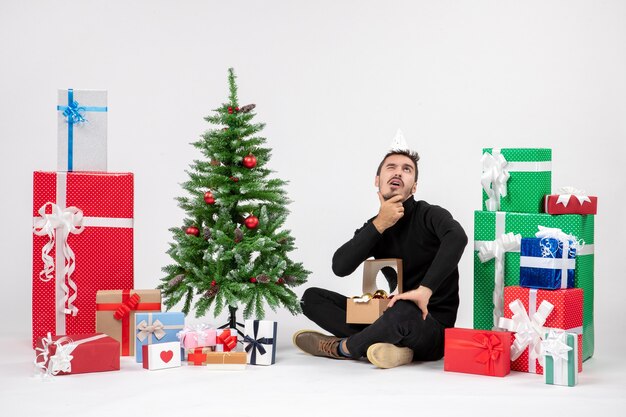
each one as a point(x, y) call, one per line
point(489, 345)
point(125, 308)
point(491, 348)
point(229, 341)
point(122, 312)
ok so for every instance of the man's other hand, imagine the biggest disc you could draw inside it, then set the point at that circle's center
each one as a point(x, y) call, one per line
point(389, 213)
point(420, 296)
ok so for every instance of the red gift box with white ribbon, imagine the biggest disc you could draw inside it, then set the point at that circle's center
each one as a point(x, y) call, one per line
point(570, 200)
point(77, 354)
point(82, 243)
point(530, 313)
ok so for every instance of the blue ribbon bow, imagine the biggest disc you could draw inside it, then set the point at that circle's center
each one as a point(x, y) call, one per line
point(256, 344)
point(73, 113)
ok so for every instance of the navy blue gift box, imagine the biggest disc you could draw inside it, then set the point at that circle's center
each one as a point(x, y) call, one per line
point(543, 265)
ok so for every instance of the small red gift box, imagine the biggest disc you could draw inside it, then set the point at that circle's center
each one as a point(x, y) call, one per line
point(77, 354)
point(226, 340)
point(480, 352)
point(570, 201)
point(567, 315)
point(82, 243)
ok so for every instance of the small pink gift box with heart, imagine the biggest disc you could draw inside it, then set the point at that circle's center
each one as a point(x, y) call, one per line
point(161, 356)
point(199, 335)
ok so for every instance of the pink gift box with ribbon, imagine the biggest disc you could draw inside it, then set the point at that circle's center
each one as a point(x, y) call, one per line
point(199, 335)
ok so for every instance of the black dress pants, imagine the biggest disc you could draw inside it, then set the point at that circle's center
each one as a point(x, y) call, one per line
point(401, 325)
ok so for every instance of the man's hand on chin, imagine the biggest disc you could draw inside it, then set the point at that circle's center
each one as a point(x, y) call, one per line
point(389, 213)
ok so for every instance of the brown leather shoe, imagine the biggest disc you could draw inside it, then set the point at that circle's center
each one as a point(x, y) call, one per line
point(317, 344)
point(386, 355)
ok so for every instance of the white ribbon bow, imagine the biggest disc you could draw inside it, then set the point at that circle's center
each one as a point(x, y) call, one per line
point(197, 330)
point(566, 241)
point(554, 346)
point(61, 361)
point(68, 220)
point(554, 233)
point(494, 178)
point(155, 328)
point(507, 242)
point(565, 193)
point(529, 331)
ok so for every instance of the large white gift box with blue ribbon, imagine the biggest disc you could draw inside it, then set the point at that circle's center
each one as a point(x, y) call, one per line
point(82, 130)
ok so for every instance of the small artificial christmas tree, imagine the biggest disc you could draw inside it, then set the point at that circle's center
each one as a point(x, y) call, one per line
point(231, 250)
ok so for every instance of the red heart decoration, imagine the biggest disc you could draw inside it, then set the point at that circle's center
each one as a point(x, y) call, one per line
point(167, 356)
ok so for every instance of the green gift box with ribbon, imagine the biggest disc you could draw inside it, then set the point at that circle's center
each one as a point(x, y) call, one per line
point(497, 234)
point(560, 351)
point(516, 179)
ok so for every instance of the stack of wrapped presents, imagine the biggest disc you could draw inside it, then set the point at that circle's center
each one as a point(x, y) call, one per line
point(86, 313)
point(533, 273)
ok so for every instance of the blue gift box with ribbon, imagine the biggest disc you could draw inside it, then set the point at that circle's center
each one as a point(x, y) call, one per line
point(82, 130)
point(260, 341)
point(547, 263)
point(153, 328)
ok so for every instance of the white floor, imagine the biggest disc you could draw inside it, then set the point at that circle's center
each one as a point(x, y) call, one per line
point(301, 385)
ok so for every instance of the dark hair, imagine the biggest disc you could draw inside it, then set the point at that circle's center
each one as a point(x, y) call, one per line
point(412, 155)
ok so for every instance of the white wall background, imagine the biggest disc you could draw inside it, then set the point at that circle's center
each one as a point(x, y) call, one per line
point(333, 80)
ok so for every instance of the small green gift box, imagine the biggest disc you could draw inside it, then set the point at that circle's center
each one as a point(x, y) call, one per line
point(560, 350)
point(516, 179)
